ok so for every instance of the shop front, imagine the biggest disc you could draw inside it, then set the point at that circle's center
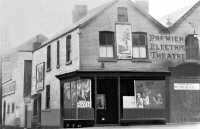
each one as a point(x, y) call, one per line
point(113, 98)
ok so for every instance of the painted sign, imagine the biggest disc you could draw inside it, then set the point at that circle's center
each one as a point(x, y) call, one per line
point(84, 94)
point(40, 76)
point(166, 47)
point(150, 94)
point(186, 86)
point(9, 88)
point(124, 41)
point(129, 102)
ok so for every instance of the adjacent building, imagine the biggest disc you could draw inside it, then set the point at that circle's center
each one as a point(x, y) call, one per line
point(16, 90)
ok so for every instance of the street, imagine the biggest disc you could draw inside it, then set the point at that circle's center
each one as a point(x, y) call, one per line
point(168, 126)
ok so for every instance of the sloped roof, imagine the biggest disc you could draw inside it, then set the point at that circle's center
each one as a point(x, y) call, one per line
point(174, 16)
point(93, 14)
point(187, 14)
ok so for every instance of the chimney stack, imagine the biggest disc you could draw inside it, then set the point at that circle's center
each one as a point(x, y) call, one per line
point(143, 4)
point(79, 12)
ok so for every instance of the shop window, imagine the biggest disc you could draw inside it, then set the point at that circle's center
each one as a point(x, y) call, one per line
point(48, 57)
point(77, 94)
point(68, 48)
point(106, 42)
point(122, 14)
point(35, 111)
point(47, 96)
point(58, 53)
point(13, 107)
point(139, 45)
point(8, 109)
point(192, 47)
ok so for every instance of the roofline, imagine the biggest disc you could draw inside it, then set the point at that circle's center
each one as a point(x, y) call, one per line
point(149, 16)
point(181, 19)
point(78, 26)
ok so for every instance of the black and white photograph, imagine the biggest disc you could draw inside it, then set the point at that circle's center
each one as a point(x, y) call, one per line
point(99, 64)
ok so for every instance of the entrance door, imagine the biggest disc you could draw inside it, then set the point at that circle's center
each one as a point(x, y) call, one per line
point(26, 117)
point(107, 101)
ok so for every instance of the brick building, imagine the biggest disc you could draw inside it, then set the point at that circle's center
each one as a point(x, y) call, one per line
point(16, 90)
point(117, 65)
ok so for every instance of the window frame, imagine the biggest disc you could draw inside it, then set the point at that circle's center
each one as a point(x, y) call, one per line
point(106, 44)
point(146, 45)
point(48, 96)
point(58, 54)
point(48, 57)
point(68, 49)
point(13, 107)
point(8, 108)
point(122, 11)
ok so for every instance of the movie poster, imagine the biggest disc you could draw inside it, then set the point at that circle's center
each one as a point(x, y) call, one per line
point(40, 76)
point(84, 94)
point(124, 41)
point(150, 94)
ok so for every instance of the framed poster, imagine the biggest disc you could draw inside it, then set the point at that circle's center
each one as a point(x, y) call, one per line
point(84, 94)
point(150, 94)
point(40, 76)
point(101, 101)
point(124, 41)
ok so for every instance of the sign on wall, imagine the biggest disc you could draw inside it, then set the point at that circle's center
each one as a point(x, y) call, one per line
point(150, 94)
point(84, 93)
point(186, 86)
point(166, 47)
point(9, 88)
point(40, 76)
point(129, 102)
point(124, 41)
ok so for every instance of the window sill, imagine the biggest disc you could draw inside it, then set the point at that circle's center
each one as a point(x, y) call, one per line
point(107, 60)
point(142, 60)
point(58, 66)
point(46, 110)
point(48, 70)
point(68, 63)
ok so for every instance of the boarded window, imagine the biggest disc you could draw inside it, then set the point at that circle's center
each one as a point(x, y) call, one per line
point(58, 53)
point(192, 47)
point(47, 96)
point(68, 48)
point(122, 14)
point(49, 57)
point(106, 41)
point(139, 45)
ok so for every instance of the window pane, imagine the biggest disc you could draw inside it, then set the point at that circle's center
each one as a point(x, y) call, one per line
point(122, 14)
point(102, 38)
point(142, 38)
point(48, 56)
point(135, 39)
point(74, 94)
point(67, 96)
point(102, 51)
point(110, 38)
point(143, 52)
point(110, 51)
point(136, 52)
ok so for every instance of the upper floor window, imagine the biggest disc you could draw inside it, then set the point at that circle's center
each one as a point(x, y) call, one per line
point(8, 109)
point(122, 14)
point(68, 48)
point(139, 45)
point(106, 42)
point(47, 96)
point(58, 53)
point(192, 47)
point(13, 107)
point(49, 57)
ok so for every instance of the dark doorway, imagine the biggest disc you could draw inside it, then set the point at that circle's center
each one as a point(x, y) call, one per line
point(4, 113)
point(107, 101)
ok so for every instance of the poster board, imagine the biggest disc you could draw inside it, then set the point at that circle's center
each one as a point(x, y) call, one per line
point(40, 76)
point(124, 41)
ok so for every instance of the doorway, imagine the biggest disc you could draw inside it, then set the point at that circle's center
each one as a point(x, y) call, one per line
point(4, 113)
point(107, 101)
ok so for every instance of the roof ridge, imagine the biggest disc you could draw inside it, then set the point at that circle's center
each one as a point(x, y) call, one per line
point(181, 19)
